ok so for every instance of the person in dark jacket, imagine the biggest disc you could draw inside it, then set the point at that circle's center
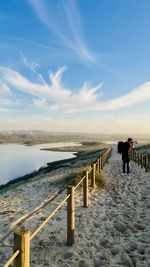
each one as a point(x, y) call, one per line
point(127, 147)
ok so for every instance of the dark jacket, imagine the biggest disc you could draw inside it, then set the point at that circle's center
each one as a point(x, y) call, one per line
point(127, 147)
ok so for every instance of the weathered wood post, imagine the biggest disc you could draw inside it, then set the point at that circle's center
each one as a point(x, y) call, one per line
point(96, 166)
point(93, 176)
point(22, 243)
point(138, 159)
point(100, 163)
point(141, 160)
point(70, 216)
point(85, 191)
point(103, 160)
point(146, 163)
point(104, 157)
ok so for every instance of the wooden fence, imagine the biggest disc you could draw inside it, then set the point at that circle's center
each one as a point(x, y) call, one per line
point(22, 237)
point(142, 160)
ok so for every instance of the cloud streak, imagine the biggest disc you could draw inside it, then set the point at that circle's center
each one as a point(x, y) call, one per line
point(29, 64)
point(64, 21)
point(55, 96)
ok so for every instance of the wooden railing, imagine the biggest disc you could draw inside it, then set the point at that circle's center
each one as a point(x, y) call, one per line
point(142, 160)
point(23, 237)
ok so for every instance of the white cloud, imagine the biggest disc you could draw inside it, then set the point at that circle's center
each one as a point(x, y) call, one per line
point(55, 93)
point(55, 96)
point(65, 22)
point(137, 95)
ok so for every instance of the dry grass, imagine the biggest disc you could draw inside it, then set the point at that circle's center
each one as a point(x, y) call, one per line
point(74, 177)
point(101, 180)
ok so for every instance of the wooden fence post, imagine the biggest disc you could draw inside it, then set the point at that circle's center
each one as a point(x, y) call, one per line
point(146, 163)
point(138, 159)
point(98, 166)
point(100, 163)
point(85, 191)
point(141, 160)
point(22, 243)
point(93, 177)
point(70, 216)
point(103, 160)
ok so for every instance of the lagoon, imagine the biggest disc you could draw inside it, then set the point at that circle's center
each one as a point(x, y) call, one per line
point(18, 160)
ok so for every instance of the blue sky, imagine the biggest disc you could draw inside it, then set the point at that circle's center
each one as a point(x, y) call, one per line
point(75, 65)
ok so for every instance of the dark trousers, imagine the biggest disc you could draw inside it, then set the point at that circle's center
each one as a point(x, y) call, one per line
point(125, 166)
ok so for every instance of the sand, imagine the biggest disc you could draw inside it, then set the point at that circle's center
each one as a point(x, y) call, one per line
point(114, 231)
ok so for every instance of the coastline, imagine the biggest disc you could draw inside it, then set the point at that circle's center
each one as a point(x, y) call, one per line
point(42, 170)
point(81, 152)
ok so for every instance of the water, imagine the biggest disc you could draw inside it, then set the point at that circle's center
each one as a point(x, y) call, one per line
point(18, 160)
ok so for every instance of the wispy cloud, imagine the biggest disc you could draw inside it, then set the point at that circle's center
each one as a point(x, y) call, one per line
point(54, 92)
point(137, 95)
point(29, 63)
point(55, 96)
point(64, 21)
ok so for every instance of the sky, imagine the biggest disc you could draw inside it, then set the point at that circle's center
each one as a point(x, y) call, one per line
point(75, 66)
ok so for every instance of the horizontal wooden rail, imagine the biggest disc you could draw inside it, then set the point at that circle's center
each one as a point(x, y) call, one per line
point(79, 182)
point(22, 219)
point(49, 217)
point(11, 258)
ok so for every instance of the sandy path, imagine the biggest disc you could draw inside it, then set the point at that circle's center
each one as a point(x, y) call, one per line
point(114, 231)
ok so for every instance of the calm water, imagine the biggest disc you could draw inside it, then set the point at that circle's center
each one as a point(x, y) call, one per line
point(19, 160)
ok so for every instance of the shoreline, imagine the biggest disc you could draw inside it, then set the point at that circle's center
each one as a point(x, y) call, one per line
point(42, 170)
point(80, 154)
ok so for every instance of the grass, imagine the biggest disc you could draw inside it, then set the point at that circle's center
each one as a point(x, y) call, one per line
point(100, 180)
point(74, 177)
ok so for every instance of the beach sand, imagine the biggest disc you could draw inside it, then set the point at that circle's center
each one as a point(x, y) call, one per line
point(113, 231)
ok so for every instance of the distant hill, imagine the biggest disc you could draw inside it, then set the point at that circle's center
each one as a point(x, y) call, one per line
point(38, 137)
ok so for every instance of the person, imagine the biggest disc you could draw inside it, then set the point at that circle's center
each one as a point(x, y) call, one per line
point(127, 147)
